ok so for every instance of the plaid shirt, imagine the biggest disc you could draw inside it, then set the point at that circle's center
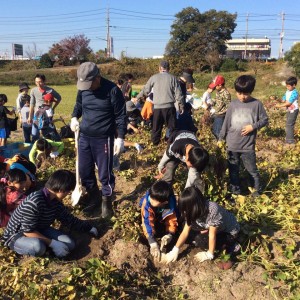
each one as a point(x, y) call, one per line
point(222, 101)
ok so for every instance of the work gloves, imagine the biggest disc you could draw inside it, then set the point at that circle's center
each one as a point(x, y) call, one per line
point(203, 256)
point(54, 154)
point(154, 251)
point(119, 146)
point(74, 124)
point(165, 240)
point(171, 256)
point(60, 249)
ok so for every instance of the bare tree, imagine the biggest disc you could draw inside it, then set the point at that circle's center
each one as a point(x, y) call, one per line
point(213, 59)
point(33, 51)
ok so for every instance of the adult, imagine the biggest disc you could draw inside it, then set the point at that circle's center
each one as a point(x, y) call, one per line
point(186, 77)
point(36, 100)
point(166, 93)
point(101, 106)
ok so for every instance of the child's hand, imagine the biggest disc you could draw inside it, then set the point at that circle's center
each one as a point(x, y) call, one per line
point(246, 130)
point(203, 256)
point(171, 256)
point(154, 251)
point(165, 240)
point(160, 174)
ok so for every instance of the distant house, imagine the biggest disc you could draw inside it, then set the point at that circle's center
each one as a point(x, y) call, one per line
point(248, 48)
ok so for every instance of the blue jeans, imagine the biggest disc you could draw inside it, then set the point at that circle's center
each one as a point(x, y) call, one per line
point(37, 247)
point(35, 133)
point(99, 151)
point(289, 126)
point(249, 162)
point(217, 125)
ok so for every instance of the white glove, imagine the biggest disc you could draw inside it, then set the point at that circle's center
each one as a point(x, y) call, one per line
point(59, 248)
point(165, 240)
point(138, 147)
point(154, 251)
point(119, 146)
point(203, 256)
point(172, 255)
point(54, 154)
point(74, 124)
point(94, 231)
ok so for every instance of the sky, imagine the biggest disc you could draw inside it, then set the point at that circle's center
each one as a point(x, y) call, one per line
point(139, 28)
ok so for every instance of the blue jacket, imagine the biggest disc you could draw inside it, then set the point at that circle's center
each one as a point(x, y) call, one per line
point(102, 111)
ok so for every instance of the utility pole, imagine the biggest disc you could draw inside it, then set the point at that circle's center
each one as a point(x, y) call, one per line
point(108, 53)
point(246, 37)
point(281, 36)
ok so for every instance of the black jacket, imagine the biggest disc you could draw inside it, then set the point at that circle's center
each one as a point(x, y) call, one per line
point(102, 111)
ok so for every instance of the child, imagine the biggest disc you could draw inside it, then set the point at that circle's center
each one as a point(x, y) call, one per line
point(290, 102)
point(12, 189)
point(220, 104)
point(206, 99)
point(133, 114)
point(185, 121)
point(24, 115)
point(42, 149)
point(208, 222)
point(158, 210)
point(119, 83)
point(29, 230)
point(244, 117)
point(22, 96)
point(183, 146)
point(147, 110)
point(43, 118)
point(127, 86)
point(4, 130)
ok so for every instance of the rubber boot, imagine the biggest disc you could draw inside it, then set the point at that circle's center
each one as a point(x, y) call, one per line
point(107, 211)
point(93, 202)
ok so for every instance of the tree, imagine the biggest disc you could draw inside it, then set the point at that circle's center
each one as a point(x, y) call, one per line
point(45, 61)
point(213, 59)
point(293, 58)
point(33, 51)
point(195, 35)
point(71, 50)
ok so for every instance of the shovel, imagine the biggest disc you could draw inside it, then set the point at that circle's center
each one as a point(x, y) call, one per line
point(79, 189)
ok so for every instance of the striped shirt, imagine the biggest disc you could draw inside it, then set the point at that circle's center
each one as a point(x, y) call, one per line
point(219, 217)
point(38, 212)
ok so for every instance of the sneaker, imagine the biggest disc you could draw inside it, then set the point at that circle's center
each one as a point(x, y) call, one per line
point(138, 147)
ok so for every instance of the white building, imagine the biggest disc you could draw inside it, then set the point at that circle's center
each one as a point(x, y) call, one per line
point(248, 48)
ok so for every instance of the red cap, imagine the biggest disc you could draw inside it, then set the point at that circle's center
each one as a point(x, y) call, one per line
point(219, 80)
point(48, 97)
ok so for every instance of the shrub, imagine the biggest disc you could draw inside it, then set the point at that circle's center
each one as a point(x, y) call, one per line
point(229, 65)
point(45, 61)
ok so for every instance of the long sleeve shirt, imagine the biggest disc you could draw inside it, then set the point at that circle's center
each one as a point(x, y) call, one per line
point(238, 115)
point(166, 91)
point(102, 111)
point(38, 212)
point(221, 102)
point(151, 215)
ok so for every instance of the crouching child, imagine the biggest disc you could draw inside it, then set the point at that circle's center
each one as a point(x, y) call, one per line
point(209, 225)
point(30, 231)
point(159, 216)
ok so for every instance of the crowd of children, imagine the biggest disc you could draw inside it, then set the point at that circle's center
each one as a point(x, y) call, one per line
point(192, 218)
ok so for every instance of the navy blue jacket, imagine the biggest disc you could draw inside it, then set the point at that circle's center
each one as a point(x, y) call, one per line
point(102, 111)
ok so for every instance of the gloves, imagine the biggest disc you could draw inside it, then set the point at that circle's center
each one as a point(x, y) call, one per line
point(74, 124)
point(165, 240)
point(119, 146)
point(203, 256)
point(59, 248)
point(54, 154)
point(172, 255)
point(154, 251)
point(138, 147)
point(94, 231)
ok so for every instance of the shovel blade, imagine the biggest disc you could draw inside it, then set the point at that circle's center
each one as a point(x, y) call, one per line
point(76, 194)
